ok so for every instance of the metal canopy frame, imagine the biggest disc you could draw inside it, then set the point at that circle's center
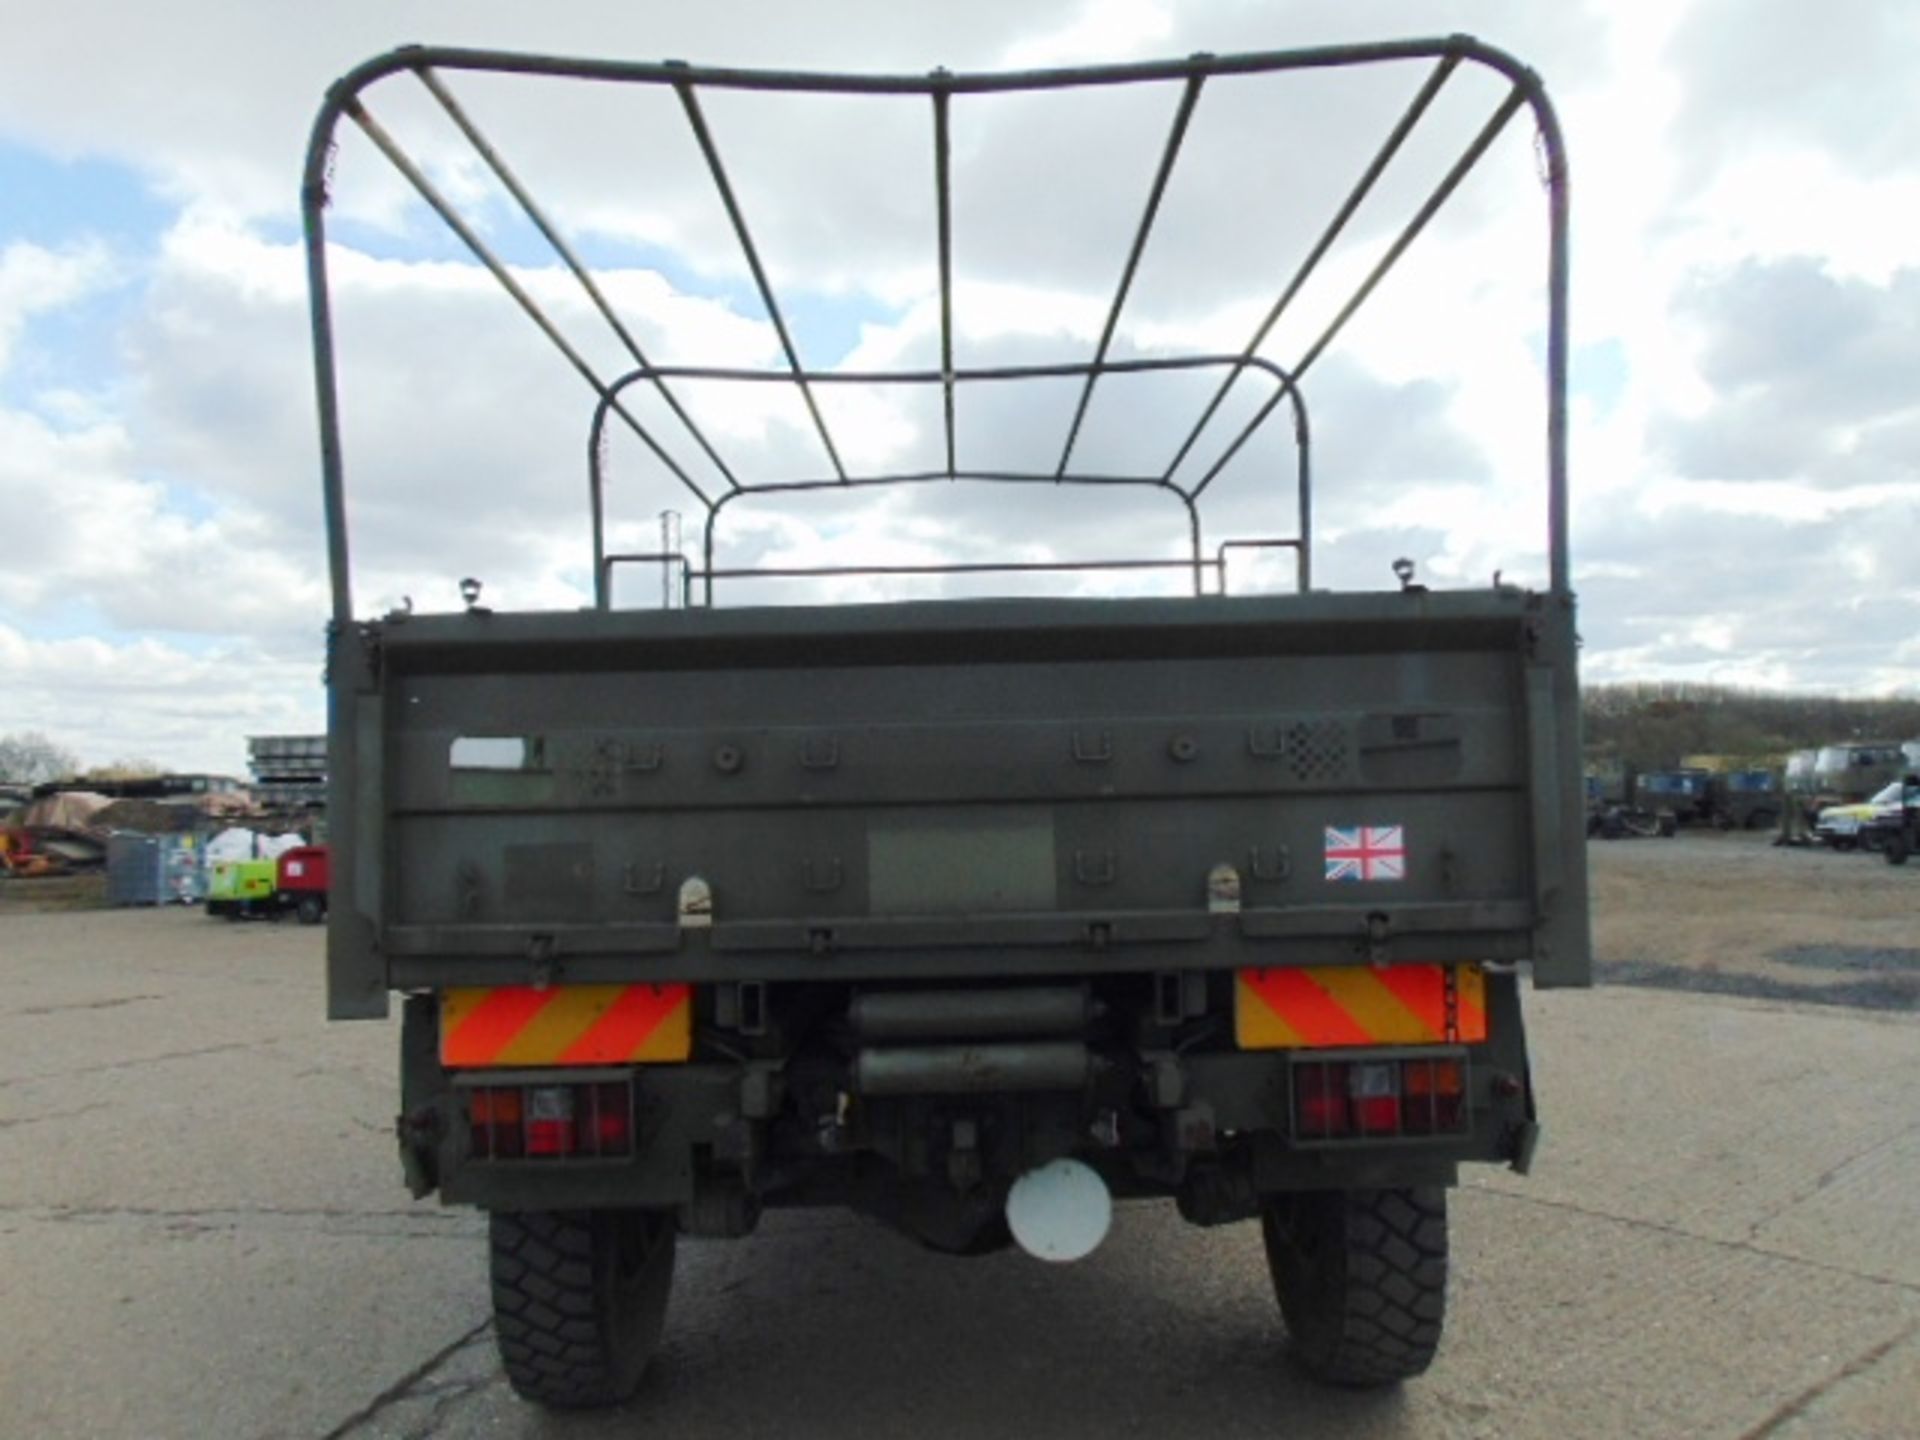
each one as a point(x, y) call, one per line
point(940, 88)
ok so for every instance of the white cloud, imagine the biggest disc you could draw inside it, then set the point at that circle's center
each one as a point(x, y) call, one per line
point(118, 544)
point(185, 709)
point(36, 281)
point(1105, 30)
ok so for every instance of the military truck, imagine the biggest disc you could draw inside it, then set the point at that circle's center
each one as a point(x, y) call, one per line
point(1853, 771)
point(973, 914)
point(1746, 799)
point(1749, 798)
point(1686, 795)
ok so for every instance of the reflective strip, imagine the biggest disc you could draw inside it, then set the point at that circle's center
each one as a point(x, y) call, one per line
point(566, 1025)
point(1318, 1007)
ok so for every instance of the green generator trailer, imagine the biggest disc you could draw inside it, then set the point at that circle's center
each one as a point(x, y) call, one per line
point(237, 889)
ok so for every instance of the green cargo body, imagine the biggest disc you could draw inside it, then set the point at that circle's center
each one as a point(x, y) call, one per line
point(947, 790)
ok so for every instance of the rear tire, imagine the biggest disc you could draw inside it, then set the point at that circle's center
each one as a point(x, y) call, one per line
point(1896, 848)
point(579, 1298)
point(311, 910)
point(1361, 1277)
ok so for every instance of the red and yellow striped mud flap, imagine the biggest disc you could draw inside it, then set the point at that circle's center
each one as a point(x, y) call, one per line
point(1318, 1007)
point(566, 1025)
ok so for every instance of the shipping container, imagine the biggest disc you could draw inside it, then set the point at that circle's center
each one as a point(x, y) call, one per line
point(155, 869)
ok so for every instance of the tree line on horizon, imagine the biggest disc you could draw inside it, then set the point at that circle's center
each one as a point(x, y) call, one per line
point(1650, 724)
point(29, 757)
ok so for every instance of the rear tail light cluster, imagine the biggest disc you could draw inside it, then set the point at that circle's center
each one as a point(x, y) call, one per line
point(1378, 1099)
point(550, 1122)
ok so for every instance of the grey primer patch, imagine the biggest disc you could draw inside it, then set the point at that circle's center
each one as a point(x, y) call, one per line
point(1881, 992)
point(997, 860)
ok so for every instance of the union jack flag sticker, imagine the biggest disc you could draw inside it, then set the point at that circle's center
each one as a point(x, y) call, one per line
point(1367, 852)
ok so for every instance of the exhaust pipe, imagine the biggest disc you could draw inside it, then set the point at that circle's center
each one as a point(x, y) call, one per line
point(973, 1069)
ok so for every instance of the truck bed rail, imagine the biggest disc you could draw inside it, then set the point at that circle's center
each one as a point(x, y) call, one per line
point(941, 92)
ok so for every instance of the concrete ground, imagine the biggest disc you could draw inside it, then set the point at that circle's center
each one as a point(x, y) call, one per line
point(203, 1234)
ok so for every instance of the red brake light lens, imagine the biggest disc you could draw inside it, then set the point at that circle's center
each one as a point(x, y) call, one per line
point(1435, 1092)
point(1355, 1099)
point(1320, 1100)
point(612, 1119)
point(550, 1122)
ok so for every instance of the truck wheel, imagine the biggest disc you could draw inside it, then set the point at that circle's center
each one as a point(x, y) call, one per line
point(1362, 1280)
point(310, 910)
point(1896, 848)
point(579, 1297)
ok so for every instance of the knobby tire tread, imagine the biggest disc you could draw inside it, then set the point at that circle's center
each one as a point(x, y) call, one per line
point(1374, 1315)
point(564, 1336)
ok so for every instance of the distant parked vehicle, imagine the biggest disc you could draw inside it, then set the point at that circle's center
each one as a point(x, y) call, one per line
point(1849, 773)
point(1684, 794)
point(1745, 799)
point(1618, 808)
point(300, 882)
point(1846, 827)
point(295, 882)
point(1800, 767)
point(1894, 827)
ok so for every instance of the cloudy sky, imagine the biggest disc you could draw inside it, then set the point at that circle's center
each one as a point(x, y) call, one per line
point(1746, 325)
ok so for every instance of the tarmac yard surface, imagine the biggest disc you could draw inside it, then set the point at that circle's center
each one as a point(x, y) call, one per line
point(203, 1230)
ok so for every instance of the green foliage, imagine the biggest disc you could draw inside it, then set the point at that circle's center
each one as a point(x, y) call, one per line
point(1651, 726)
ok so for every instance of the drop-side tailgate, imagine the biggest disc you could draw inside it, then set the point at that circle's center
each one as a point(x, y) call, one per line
point(962, 788)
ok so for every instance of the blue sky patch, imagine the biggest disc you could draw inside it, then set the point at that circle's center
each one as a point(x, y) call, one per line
point(56, 202)
point(1598, 372)
point(62, 205)
point(76, 617)
point(75, 347)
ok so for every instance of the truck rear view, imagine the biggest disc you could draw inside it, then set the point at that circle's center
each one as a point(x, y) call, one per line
point(975, 913)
